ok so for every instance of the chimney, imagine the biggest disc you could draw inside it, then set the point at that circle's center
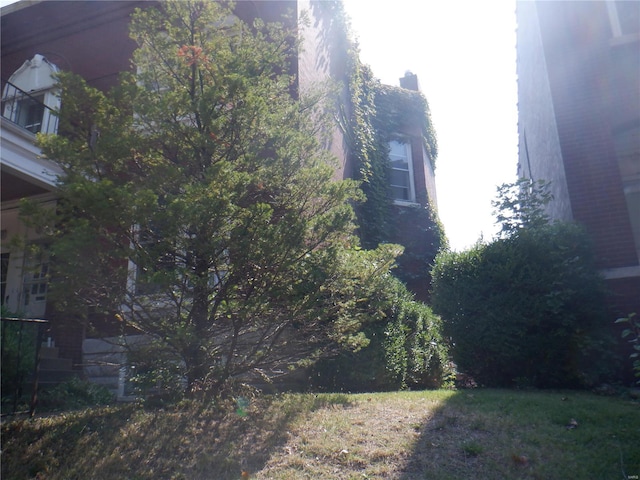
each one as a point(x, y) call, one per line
point(410, 81)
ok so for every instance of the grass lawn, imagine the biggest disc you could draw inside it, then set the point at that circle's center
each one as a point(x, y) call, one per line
point(468, 434)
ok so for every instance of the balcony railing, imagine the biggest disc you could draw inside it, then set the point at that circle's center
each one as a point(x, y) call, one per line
point(28, 111)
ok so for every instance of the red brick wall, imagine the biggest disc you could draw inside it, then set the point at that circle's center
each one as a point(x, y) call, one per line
point(88, 38)
point(623, 299)
point(576, 39)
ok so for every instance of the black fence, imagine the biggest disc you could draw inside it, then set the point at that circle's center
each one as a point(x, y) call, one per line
point(20, 342)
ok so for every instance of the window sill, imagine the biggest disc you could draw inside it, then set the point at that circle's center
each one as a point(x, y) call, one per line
point(621, 272)
point(18, 130)
point(406, 203)
point(624, 39)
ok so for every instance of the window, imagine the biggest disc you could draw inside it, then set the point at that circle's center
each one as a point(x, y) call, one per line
point(35, 284)
point(401, 175)
point(155, 260)
point(627, 144)
point(624, 17)
point(28, 112)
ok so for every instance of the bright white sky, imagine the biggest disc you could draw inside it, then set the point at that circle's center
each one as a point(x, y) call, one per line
point(463, 52)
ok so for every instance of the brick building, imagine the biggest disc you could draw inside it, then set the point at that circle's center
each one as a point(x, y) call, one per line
point(579, 126)
point(91, 38)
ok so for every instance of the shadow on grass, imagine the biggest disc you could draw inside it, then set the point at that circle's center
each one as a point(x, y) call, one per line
point(191, 441)
point(488, 434)
point(496, 434)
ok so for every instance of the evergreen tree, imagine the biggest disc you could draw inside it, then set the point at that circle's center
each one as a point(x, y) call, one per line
point(197, 201)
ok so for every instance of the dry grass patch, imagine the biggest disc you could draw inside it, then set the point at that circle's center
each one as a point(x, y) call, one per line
point(370, 437)
point(407, 435)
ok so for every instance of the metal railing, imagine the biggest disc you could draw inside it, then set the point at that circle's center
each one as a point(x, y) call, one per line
point(27, 111)
point(20, 346)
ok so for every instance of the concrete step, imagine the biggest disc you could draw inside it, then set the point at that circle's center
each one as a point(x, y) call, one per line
point(49, 352)
point(56, 376)
point(55, 364)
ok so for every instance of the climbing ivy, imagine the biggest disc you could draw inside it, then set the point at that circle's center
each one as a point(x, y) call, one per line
point(373, 115)
point(369, 151)
point(397, 109)
point(406, 346)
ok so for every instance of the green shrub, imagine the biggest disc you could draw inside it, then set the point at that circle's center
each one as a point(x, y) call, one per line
point(18, 357)
point(525, 310)
point(632, 334)
point(406, 349)
point(74, 393)
point(156, 372)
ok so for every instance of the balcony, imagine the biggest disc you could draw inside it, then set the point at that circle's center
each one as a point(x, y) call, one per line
point(28, 111)
point(24, 171)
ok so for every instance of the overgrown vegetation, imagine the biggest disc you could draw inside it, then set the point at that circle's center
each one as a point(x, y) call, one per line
point(631, 333)
point(197, 206)
point(526, 309)
point(73, 394)
point(409, 435)
point(18, 359)
point(406, 349)
point(219, 226)
point(374, 115)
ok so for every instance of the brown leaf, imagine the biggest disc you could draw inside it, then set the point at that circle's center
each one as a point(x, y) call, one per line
point(520, 459)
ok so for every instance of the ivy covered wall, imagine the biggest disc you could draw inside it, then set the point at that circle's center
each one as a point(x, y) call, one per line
point(375, 115)
point(370, 115)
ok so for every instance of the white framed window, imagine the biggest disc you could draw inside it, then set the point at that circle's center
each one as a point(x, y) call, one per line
point(153, 259)
point(35, 284)
point(627, 145)
point(401, 174)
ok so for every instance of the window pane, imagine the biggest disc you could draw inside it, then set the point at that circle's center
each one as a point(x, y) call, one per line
point(400, 193)
point(400, 172)
point(400, 178)
point(400, 164)
point(633, 204)
point(29, 114)
point(398, 149)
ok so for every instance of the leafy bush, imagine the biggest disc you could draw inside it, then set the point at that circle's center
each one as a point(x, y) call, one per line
point(156, 372)
point(406, 349)
point(632, 333)
point(18, 356)
point(526, 309)
point(74, 393)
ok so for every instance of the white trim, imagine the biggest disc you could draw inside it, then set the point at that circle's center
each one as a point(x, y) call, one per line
point(405, 203)
point(23, 158)
point(619, 37)
point(621, 272)
point(624, 39)
point(614, 20)
point(412, 185)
